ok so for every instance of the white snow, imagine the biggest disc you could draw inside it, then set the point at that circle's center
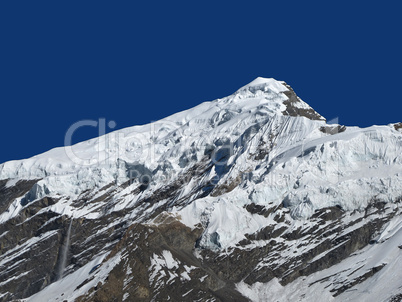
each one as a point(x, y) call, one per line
point(356, 164)
point(158, 262)
point(301, 167)
point(316, 287)
point(66, 288)
point(308, 168)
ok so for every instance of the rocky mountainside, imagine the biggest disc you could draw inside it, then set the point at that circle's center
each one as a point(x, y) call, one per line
point(252, 197)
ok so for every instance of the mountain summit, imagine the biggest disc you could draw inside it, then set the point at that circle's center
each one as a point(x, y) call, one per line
point(252, 197)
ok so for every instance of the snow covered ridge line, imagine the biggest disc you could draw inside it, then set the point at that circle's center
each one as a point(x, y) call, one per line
point(262, 133)
point(237, 191)
point(143, 139)
point(262, 98)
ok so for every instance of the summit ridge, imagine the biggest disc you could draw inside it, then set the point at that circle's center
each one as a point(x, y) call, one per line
point(245, 198)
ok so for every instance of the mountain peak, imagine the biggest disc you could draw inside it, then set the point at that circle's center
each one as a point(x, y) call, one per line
point(245, 197)
point(278, 93)
point(261, 80)
point(260, 83)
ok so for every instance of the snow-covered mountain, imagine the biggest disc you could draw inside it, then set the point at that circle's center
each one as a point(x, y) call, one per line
point(250, 197)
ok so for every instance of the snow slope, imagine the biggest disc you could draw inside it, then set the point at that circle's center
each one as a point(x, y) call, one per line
point(261, 147)
point(306, 167)
point(354, 159)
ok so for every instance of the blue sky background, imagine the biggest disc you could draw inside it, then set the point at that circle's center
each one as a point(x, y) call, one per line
point(61, 62)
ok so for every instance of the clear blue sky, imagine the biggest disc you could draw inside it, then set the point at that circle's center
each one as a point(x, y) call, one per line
point(131, 62)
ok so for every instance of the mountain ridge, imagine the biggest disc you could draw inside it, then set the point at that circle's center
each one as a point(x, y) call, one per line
point(236, 199)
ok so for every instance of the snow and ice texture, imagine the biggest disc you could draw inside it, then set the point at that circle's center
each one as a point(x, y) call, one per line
point(381, 260)
point(260, 158)
point(68, 288)
point(303, 165)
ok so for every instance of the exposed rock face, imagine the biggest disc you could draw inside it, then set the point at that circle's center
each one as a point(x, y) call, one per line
point(398, 126)
point(8, 194)
point(296, 107)
point(249, 198)
point(162, 258)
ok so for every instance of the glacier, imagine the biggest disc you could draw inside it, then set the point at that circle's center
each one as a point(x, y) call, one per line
point(260, 158)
